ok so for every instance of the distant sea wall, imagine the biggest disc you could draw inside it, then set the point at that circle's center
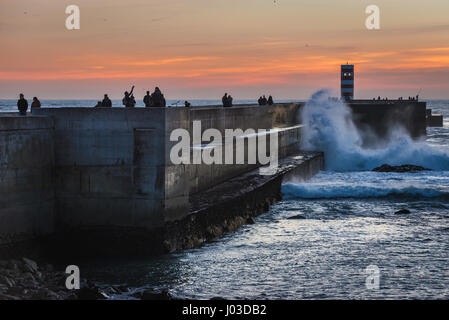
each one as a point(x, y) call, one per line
point(383, 117)
point(26, 177)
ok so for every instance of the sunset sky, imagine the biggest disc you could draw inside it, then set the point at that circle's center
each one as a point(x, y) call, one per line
point(196, 49)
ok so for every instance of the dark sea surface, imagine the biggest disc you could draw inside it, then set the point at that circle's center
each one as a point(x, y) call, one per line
point(350, 224)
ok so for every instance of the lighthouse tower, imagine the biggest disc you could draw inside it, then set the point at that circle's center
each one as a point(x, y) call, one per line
point(347, 82)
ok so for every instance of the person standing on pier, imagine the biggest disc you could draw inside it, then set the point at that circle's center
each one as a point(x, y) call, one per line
point(129, 101)
point(224, 100)
point(35, 104)
point(157, 98)
point(22, 105)
point(106, 103)
point(147, 100)
point(230, 101)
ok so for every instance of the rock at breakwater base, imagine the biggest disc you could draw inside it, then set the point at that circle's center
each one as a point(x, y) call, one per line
point(402, 168)
point(297, 217)
point(403, 211)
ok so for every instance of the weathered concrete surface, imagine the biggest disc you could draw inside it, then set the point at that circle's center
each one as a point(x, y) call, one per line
point(383, 117)
point(109, 166)
point(113, 166)
point(222, 208)
point(183, 180)
point(26, 177)
point(229, 205)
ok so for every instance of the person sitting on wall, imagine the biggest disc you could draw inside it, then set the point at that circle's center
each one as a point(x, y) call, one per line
point(129, 101)
point(158, 98)
point(98, 105)
point(35, 104)
point(187, 104)
point(147, 100)
point(22, 105)
point(106, 103)
point(259, 101)
point(264, 100)
point(270, 100)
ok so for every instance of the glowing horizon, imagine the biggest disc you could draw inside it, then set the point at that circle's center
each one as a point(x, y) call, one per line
point(201, 48)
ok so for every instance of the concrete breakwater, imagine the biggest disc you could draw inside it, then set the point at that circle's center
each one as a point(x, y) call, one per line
point(107, 175)
point(85, 181)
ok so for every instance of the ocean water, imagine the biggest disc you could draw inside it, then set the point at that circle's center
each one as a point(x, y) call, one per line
point(349, 225)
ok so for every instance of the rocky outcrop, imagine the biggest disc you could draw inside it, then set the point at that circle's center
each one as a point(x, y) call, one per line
point(24, 279)
point(402, 168)
point(297, 217)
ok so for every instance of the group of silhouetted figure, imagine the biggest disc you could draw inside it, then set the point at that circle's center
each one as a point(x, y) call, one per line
point(156, 99)
point(22, 104)
point(227, 100)
point(263, 101)
point(399, 99)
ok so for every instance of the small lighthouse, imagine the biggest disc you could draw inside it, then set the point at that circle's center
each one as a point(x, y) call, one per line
point(347, 82)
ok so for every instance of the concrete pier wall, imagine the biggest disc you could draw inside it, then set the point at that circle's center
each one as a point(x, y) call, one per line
point(108, 172)
point(109, 166)
point(26, 177)
point(184, 180)
point(113, 166)
point(382, 117)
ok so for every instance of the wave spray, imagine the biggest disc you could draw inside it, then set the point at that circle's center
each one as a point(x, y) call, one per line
point(329, 127)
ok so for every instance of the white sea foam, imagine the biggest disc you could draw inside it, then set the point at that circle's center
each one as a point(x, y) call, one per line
point(331, 184)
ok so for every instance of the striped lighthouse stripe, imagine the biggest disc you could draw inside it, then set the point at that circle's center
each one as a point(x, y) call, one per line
point(347, 81)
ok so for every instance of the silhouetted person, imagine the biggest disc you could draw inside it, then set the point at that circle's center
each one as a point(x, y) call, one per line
point(22, 105)
point(147, 100)
point(225, 100)
point(35, 104)
point(270, 100)
point(229, 101)
point(99, 105)
point(264, 100)
point(158, 99)
point(187, 104)
point(106, 103)
point(129, 101)
point(417, 97)
point(378, 98)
